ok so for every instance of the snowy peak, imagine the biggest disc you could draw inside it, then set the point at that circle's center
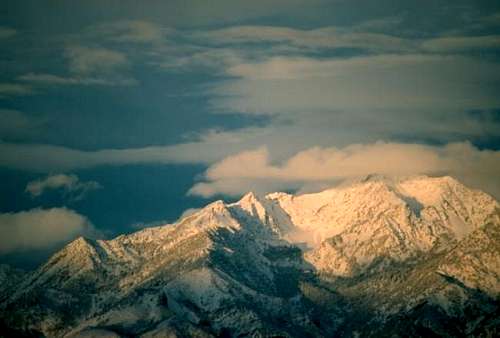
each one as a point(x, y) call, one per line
point(214, 215)
point(353, 225)
point(343, 229)
point(243, 267)
point(80, 254)
point(253, 205)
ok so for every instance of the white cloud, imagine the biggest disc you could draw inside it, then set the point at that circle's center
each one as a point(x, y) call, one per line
point(313, 101)
point(41, 229)
point(368, 83)
point(69, 184)
point(363, 36)
point(321, 38)
point(254, 170)
point(195, 59)
point(47, 158)
point(85, 60)
point(283, 139)
point(87, 67)
point(218, 49)
point(55, 80)
point(135, 31)
point(208, 148)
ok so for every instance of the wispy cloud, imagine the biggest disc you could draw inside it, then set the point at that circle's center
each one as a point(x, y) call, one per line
point(87, 67)
point(254, 171)
point(130, 31)
point(387, 86)
point(322, 38)
point(86, 60)
point(196, 59)
point(291, 84)
point(370, 36)
point(206, 148)
point(48, 158)
point(70, 185)
point(56, 80)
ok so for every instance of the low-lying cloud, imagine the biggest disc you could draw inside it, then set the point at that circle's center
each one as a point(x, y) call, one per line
point(41, 229)
point(254, 170)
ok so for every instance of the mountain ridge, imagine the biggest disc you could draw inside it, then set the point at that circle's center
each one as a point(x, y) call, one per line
point(264, 265)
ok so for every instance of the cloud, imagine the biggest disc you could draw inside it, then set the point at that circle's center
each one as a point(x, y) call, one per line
point(6, 32)
point(41, 229)
point(312, 100)
point(365, 36)
point(368, 83)
point(329, 37)
point(206, 148)
point(87, 67)
point(85, 60)
point(48, 158)
point(282, 138)
point(253, 170)
point(389, 88)
point(18, 124)
point(55, 80)
point(69, 184)
point(462, 43)
point(133, 31)
point(215, 60)
point(14, 89)
point(217, 49)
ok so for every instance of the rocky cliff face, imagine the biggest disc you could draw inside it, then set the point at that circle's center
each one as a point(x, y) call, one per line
point(418, 256)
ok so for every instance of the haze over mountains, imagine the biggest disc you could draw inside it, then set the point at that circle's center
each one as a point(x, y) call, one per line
point(417, 256)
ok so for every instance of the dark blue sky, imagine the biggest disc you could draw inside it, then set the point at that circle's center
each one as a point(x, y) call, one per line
point(115, 115)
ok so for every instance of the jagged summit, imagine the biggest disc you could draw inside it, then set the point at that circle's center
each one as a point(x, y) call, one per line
point(242, 267)
point(410, 215)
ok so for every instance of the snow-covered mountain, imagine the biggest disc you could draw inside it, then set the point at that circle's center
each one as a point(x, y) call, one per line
point(380, 256)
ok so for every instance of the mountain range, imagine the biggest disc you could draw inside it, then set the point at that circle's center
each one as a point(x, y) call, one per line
point(416, 256)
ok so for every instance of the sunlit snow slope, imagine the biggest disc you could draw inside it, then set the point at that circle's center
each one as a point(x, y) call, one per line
point(329, 263)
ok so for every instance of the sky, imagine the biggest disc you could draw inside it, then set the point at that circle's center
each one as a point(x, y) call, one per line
point(120, 115)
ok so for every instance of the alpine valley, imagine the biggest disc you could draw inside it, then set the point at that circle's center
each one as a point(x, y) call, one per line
point(415, 257)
